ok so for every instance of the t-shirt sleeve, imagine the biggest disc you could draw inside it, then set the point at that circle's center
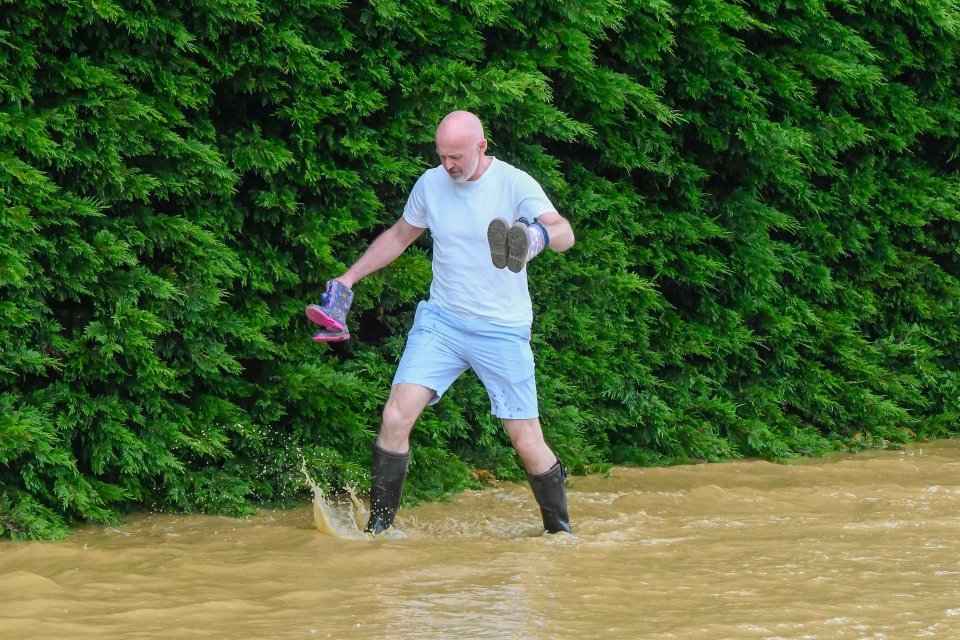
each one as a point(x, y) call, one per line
point(415, 211)
point(532, 201)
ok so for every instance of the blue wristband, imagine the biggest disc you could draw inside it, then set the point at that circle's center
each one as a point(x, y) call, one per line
point(543, 230)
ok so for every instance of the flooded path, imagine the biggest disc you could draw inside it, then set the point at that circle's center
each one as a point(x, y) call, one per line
point(854, 546)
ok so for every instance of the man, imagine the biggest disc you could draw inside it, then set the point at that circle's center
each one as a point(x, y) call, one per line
point(478, 315)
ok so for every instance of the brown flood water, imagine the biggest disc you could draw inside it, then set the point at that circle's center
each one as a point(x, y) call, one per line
point(853, 546)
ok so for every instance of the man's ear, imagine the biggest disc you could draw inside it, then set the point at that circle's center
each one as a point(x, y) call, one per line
point(482, 147)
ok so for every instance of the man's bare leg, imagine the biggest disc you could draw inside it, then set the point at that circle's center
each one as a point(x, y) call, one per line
point(527, 438)
point(405, 404)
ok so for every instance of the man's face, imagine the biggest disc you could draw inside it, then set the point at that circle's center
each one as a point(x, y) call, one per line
point(460, 160)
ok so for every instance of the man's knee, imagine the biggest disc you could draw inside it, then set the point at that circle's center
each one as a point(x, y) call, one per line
point(395, 429)
point(404, 406)
point(397, 417)
point(525, 435)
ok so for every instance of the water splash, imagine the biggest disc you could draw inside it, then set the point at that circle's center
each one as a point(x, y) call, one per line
point(328, 520)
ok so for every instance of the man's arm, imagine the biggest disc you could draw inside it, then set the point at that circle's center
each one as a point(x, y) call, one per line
point(385, 249)
point(558, 229)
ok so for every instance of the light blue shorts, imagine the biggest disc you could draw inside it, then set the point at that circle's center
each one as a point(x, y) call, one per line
point(443, 345)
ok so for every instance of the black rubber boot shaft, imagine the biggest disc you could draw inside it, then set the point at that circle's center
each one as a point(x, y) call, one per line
point(551, 494)
point(388, 471)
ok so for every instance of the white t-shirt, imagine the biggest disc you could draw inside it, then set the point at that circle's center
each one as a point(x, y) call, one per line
point(465, 281)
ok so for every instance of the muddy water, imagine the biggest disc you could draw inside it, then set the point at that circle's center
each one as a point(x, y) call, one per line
point(855, 546)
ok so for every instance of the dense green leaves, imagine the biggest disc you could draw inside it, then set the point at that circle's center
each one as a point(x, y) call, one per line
point(765, 195)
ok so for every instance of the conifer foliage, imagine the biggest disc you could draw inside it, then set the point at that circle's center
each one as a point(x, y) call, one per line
point(765, 194)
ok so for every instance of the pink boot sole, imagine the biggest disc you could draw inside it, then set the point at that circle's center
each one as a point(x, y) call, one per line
point(317, 315)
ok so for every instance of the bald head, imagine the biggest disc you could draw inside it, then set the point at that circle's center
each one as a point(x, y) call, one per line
point(461, 146)
point(460, 126)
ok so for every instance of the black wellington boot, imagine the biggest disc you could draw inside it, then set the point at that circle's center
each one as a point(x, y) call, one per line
point(551, 495)
point(388, 472)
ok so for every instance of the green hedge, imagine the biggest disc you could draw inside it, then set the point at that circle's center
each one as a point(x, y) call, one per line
point(765, 195)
